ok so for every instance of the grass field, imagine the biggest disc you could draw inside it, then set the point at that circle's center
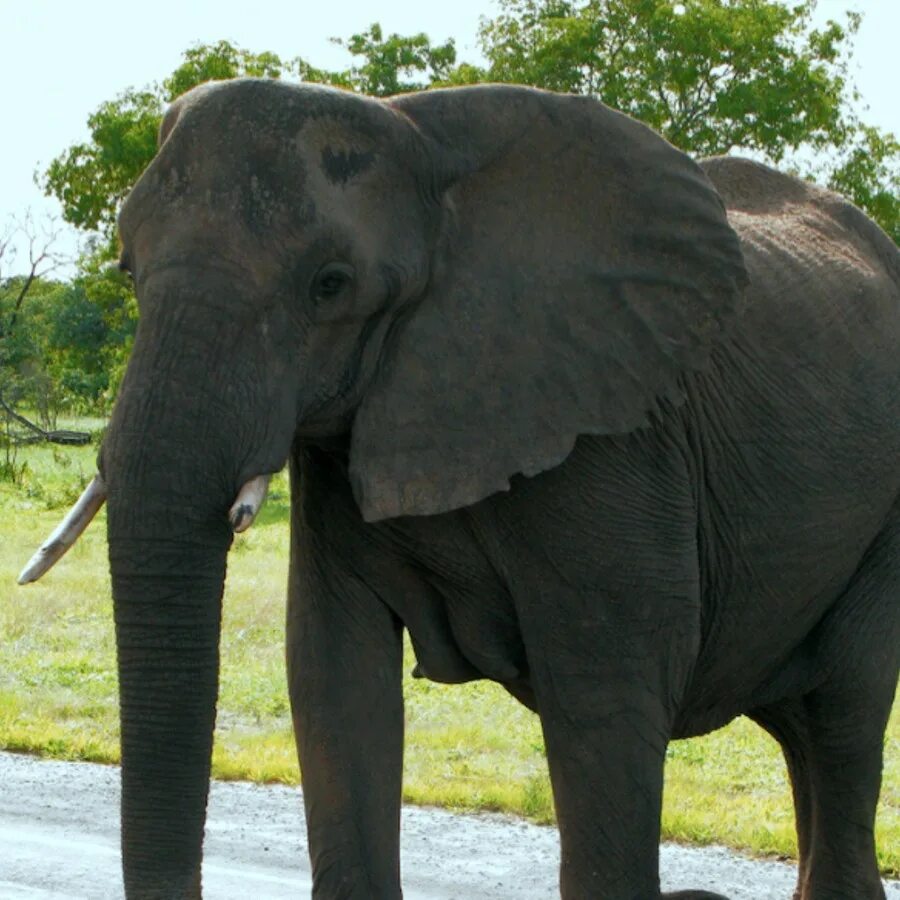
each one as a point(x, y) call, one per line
point(468, 747)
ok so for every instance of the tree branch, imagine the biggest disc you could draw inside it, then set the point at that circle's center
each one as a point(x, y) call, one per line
point(42, 260)
point(62, 436)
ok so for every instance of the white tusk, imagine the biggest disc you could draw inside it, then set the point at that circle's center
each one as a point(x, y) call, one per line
point(67, 532)
point(249, 500)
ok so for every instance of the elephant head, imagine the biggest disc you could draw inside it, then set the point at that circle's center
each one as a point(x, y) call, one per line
point(453, 284)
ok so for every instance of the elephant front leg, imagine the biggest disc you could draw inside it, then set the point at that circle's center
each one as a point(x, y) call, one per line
point(607, 778)
point(606, 691)
point(344, 674)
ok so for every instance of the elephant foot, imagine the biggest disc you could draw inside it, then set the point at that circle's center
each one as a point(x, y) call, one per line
point(693, 895)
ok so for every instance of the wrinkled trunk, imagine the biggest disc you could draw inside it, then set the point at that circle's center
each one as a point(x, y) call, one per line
point(169, 491)
point(167, 612)
point(167, 560)
point(199, 412)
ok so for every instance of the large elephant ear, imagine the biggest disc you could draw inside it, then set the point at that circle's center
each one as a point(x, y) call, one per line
point(584, 264)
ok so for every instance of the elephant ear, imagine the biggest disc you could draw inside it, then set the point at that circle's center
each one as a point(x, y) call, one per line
point(582, 266)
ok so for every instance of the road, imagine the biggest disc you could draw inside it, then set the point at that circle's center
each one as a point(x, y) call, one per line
point(59, 841)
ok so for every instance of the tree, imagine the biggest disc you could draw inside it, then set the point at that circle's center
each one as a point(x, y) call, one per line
point(43, 259)
point(80, 349)
point(710, 75)
point(713, 76)
point(104, 309)
point(387, 64)
point(219, 62)
point(869, 175)
point(20, 328)
point(90, 179)
point(23, 377)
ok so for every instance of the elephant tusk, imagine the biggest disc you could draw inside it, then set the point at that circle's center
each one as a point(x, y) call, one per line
point(249, 500)
point(67, 532)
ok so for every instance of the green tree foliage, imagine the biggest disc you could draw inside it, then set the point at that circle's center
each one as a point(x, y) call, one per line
point(22, 330)
point(219, 62)
point(710, 75)
point(91, 325)
point(90, 179)
point(713, 76)
point(25, 377)
point(387, 64)
point(110, 292)
point(869, 175)
point(61, 343)
point(67, 348)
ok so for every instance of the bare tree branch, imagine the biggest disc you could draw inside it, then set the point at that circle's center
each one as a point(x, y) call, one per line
point(57, 436)
point(42, 258)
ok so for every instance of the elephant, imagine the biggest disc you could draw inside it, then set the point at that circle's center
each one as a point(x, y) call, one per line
point(613, 428)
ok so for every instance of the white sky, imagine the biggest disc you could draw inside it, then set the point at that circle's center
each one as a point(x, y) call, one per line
point(62, 58)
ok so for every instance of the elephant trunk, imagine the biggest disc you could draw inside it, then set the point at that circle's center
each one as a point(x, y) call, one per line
point(169, 463)
point(167, 615)
point(199, 414)
point(168, 543)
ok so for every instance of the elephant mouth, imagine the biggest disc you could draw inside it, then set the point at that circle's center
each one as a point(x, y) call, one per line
point(241, 515)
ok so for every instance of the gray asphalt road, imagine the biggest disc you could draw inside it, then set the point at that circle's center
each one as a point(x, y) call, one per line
point(59, 841)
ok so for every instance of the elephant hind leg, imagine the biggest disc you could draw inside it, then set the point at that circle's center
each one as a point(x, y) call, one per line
point(787, 723)
point(835, 789)
point(833, 736)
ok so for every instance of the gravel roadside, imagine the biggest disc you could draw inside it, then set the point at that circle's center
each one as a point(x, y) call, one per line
point(59, 841)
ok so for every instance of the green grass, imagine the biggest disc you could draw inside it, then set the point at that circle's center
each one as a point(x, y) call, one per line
point(469, 747)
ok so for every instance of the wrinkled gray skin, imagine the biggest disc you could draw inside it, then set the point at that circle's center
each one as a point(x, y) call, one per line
point(545, 407)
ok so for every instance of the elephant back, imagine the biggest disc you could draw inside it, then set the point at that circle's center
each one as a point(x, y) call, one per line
point(778, 209)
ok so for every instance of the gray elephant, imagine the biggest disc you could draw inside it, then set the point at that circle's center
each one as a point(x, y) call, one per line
point(615, 430)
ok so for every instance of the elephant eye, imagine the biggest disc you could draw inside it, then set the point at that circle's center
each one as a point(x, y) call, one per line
point(330, 281)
